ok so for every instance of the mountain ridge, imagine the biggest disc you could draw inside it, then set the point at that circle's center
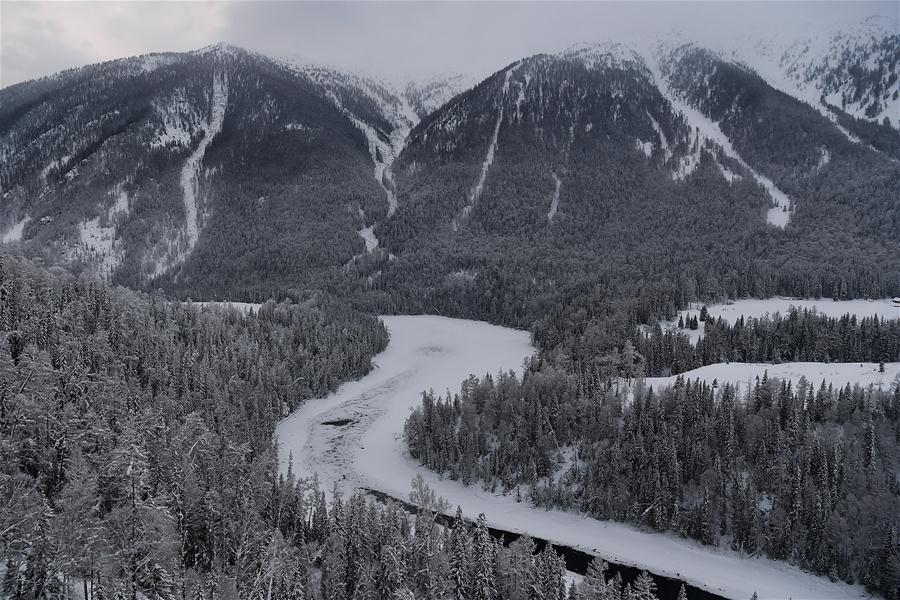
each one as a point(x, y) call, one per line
point(349, 177)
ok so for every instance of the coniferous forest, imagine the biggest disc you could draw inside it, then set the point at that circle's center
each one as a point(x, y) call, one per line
point(138, 460)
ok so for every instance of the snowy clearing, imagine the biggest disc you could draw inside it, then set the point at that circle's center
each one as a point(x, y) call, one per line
point(363, 447)
point(756, 308)
point(743, 375)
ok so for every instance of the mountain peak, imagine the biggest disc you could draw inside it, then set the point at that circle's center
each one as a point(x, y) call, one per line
point(606, 53)
point(222, 49)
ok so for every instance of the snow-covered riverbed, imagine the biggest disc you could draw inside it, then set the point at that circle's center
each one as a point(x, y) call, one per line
point(353, 437)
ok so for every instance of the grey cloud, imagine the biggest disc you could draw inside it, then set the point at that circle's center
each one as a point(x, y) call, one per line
point(392, 39)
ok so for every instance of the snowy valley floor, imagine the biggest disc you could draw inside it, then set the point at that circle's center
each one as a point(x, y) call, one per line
point(353, 437)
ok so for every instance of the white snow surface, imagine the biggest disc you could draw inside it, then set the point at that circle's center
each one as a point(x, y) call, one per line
point(383, 154)
point(614, 55)
point(645, 147)
point(662, 137)
point(554, 204)
point(368, 234)
point(152, 62)
point(805, 67)
point(14, 233)
point(99, 242)
point(179, 118)
point(435, 91)
point(572, 577)
point(428, 352)
point(743, 375)
point(190, 173)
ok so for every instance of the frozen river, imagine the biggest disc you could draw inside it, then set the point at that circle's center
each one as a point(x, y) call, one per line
point(353, 437)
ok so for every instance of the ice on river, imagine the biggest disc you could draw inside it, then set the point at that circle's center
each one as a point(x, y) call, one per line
point(353, 437)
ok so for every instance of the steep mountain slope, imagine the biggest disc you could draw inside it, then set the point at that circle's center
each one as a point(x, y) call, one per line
point(801, 152)
point(853, 67)
point(429, 94)
point(551, 173)
point(216, 170)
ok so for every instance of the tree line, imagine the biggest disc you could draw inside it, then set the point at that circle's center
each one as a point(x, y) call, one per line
point(799, 335)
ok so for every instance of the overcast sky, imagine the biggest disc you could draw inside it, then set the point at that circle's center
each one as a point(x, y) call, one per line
point(397, 40)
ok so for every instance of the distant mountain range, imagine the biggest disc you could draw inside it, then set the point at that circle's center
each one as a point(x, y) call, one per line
point(225, 173)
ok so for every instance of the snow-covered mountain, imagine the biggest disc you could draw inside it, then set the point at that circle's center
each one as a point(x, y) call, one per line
point(138, 167)
point(851, 66)
point(225, 172)
point(427, 95)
